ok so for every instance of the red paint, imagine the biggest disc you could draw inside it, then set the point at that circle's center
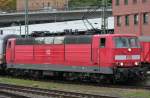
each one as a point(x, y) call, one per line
point(71, 54)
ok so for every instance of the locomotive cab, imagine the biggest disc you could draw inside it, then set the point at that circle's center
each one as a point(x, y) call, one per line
point(118, 55)
point(126, 51)
point(3, 43)
point(127, 58)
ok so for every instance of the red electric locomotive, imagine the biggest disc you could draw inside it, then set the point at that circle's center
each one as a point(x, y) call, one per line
point(102, 55)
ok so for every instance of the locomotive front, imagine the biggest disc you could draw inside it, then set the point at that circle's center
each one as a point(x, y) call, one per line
point(127, 57)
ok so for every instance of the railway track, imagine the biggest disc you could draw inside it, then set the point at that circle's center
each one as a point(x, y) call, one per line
point(4, 94)
point(29, 92)
point(139, 87)
point(108, 85)
point(127, 86)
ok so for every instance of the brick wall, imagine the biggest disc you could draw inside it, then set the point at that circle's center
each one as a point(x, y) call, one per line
point(140, 8)
point(40, 4)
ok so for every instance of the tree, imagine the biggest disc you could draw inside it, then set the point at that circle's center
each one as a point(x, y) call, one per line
point(6, 5)
point(84, 3)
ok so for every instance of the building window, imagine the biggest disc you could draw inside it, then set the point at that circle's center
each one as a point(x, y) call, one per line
point(118, 21)
point(48, 4)
point(134, 1)
point(117, 2)
point(126, 2)
point(144, 1)
point(127, 20)
point(37, 4)
point(43, 4)
point(145, 18)
point(136, 19)
point(32, 4)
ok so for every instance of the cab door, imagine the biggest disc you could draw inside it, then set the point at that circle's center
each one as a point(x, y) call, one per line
point(105, 55)
point(98, 52)
point(95, 50)
point(101, 55)
point(102, 51)
point(10, 51)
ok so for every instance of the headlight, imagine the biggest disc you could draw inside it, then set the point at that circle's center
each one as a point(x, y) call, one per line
point(121, 64)
point(136, 63)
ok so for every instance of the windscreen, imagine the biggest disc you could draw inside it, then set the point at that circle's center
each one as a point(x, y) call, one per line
point(126, 42)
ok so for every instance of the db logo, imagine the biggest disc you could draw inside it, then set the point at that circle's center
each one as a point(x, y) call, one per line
point(129, 57)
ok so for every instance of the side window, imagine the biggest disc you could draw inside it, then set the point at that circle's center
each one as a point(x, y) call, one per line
point(78, 40)
point(70, 40)
point(39, 40)
point(59, 40)
point(84, 39)
point(9, 44)
point(25, 41)
point(102, 42)
point(49, 40)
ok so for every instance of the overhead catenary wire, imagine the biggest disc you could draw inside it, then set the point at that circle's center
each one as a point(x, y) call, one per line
point(104, 25)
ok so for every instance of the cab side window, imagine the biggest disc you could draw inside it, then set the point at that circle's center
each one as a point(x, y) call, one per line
point(9, 44)
point(102, 42)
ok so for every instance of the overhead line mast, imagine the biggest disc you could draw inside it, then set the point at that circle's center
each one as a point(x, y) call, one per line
point(26, 18)
point(104, 25)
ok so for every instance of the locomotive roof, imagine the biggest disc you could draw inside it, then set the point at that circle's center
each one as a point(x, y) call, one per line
point(115, 35)
point(98, 35)
point(5, 36)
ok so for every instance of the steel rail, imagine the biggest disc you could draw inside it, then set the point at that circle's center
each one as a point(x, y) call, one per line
point(144, 87)
point(50, 93)
point(6, 94)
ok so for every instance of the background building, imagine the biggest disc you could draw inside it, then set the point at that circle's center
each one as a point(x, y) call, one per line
point(43, 4)
point(132, 16)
